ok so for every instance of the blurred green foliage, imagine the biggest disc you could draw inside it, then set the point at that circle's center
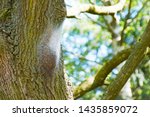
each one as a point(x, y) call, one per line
point(88, 44)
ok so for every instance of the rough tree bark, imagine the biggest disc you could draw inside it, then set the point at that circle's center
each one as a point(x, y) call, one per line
point(30, 57)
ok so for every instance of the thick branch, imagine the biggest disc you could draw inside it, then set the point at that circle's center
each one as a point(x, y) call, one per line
point(134, 59)
point(94, 9)
point(93, 83)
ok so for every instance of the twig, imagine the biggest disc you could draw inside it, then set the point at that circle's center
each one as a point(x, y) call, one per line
point(138, 12)
point(81, 57)
point(125, 22)
point(95, 22)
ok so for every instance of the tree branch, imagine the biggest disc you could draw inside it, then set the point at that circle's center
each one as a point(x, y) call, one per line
point(144, 4)
point(125, 22)
point(96, 22)
point(98, 80)
point(81, 57)
point(132, 62)
point(94, 9)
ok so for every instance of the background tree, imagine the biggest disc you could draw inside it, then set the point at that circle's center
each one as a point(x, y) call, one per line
point(99, 41)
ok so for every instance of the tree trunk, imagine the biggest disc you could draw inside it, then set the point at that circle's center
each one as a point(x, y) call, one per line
point(31, 64)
